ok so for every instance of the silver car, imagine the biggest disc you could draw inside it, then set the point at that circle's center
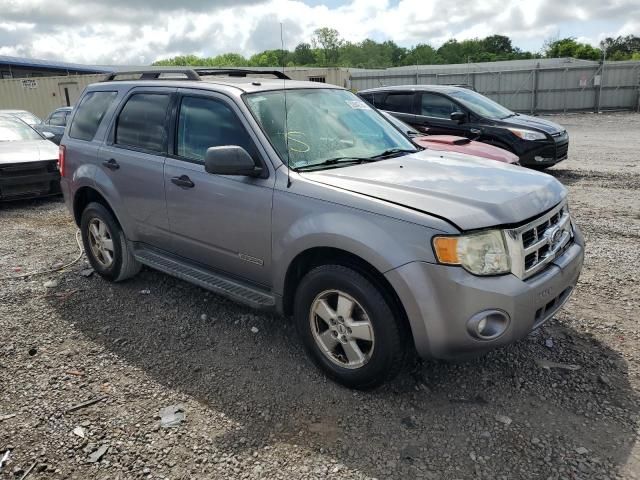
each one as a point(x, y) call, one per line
point(28, 162)
point(298, 197)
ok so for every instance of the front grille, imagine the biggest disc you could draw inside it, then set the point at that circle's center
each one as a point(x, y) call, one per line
point(539, 242)
point(28, 179)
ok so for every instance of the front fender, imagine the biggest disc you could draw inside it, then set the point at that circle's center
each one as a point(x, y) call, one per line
point(302, 223)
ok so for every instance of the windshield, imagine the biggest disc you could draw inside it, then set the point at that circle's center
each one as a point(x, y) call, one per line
point(13, 130)
point(481, 105)
point(399, 124)
point(29, 118)
point(323, 124)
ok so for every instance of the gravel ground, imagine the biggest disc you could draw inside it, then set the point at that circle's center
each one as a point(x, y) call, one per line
point(256, 408)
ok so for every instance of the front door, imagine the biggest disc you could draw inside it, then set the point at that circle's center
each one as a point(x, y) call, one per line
point(434, 116)
point(221, 221)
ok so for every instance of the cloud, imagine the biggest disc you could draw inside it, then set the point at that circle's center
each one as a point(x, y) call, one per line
point(141, 31)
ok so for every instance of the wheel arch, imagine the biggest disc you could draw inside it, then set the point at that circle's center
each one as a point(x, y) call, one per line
point(86, 195)
point(313, 257)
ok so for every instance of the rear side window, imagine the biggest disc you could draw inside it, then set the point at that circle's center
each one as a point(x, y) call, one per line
point(142, 122)
point(89, 114)
point(204, 123)
point(438, 106)
point(398, 102)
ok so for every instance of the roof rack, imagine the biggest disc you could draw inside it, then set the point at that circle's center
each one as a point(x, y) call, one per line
point(154, 74)
point(240, 72)
point(195, 74)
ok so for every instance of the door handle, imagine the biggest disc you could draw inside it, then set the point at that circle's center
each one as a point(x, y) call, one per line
point(475, 131)
point(183, 181)
point(111, 164)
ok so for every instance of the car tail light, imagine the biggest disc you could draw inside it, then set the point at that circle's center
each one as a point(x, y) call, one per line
point(61, 153)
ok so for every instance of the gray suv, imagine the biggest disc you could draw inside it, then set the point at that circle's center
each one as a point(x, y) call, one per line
point(299, 197)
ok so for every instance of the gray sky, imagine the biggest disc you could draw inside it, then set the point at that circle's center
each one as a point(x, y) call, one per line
point(141, 31)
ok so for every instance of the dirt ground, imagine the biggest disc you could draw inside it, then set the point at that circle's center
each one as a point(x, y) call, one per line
point(255, 407)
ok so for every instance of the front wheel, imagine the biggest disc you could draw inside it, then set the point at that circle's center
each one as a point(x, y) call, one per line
point(348, 328)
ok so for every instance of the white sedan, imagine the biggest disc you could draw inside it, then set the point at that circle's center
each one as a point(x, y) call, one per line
point(28, 161)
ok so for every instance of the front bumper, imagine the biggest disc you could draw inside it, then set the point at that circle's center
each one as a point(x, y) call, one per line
point(29, 180)
point(439, 301)
point(546, 154)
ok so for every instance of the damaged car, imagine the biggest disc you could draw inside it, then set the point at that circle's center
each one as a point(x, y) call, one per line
point(28, 162)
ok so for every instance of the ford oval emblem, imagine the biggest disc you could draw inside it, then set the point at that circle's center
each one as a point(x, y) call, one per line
point(554, 235)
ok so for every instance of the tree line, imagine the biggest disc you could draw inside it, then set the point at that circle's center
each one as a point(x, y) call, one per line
point(327, 49)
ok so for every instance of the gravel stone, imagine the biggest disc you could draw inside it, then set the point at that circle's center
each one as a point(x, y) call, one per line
point(258, 409)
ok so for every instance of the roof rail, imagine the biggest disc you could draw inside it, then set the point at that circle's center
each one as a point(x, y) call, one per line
point(240, 72)
point(193, 73)
point(154, 74)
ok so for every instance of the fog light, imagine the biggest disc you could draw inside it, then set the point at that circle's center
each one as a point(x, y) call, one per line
point(538, 158)
point(488, 325)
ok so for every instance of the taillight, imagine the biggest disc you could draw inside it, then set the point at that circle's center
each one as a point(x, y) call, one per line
point(61, 153)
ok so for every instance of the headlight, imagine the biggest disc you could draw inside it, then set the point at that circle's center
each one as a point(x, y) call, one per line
point(482, 253)
point(527, 134)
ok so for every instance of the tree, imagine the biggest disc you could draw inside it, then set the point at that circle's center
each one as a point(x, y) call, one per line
point(421, 54)
point(621, 48)
point(303, 55)
point(329, 41)
point(569, 47)
point(498, 45)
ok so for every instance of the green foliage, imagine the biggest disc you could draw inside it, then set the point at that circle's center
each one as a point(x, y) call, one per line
point(622, 48)
point(327, 49)
point(569, 47)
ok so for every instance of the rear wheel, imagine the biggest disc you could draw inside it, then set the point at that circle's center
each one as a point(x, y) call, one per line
point(348, 328)
point(105, 244)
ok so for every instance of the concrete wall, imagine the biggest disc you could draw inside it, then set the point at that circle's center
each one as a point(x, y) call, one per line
point(43, 94)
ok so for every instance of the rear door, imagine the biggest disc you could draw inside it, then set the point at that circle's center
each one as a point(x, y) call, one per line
point(401, 104)
point(133, 159)
point(221, 221)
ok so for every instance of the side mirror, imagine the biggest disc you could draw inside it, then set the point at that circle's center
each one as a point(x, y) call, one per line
point(458, 116)
point(230, 160)
point(48, 135)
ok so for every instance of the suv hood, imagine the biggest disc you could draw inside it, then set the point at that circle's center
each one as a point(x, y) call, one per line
point(468, 191)
point(27, 151)
point(527, 121)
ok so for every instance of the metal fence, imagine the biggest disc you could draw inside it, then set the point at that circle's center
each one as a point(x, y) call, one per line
point(536, 89)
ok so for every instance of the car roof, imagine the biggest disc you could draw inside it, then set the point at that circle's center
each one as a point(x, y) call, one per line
point(417, 88)
point(240, 84)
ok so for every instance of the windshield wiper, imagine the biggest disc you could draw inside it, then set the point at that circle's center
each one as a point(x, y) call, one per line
point(392, 152)
point(334, 161)
point(509, 116)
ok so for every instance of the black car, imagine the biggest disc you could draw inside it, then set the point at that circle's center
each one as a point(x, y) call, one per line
point(451, 110)
point(55, 123)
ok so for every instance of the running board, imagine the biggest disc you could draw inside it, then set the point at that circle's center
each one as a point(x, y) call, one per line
point(214, 282)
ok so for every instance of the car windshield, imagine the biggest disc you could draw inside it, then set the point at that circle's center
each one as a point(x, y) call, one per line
point(399, 124)
point(324, 125)
point(28, 118)
point(14, 130)
point(481, 105)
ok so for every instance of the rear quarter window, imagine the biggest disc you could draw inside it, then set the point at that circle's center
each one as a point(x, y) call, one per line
point(89, 114)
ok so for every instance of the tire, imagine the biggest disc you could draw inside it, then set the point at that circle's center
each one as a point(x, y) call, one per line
point(123, 265)
point(380, 359)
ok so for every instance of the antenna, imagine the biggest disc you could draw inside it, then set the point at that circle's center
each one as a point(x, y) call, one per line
point(286, 113)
